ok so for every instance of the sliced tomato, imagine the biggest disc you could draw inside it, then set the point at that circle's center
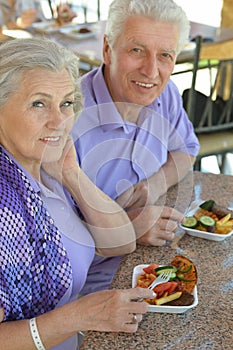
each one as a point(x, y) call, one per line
point(166, 287)
point(151, 268)
point(173, 286)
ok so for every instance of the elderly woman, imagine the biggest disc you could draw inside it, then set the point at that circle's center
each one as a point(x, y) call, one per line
point(46, 249)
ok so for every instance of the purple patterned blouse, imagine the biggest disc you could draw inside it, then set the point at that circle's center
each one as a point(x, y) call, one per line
point(35, 270)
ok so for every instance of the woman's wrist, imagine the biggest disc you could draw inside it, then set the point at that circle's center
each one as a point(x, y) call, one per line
point(35, 334)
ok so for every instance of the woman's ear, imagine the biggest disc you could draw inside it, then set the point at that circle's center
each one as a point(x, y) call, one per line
point(106, 51)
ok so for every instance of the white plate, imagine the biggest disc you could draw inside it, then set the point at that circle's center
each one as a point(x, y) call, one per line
point(46, 26)
point(16, 33)
point(138, 270)
point(202, 234)
point(73, 32)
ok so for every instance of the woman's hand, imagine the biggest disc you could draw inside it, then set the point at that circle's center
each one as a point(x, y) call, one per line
point(155, 225)
point(66, 164)
point(112, 310)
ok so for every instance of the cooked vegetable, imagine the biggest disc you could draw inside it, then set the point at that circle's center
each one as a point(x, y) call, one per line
point(219, 220)
point(184, 300)
point(187, 280)
point(191, 222)
point(221, 211)
point(207, 221)
point(207, 205)
point(163, 269)
point(168, 298)
point(184, 279)
point(185, 270)
point(151, 268)
point(224, 220)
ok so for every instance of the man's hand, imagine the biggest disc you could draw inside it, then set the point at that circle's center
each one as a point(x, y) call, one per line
point(155, 225)
point(139, 195)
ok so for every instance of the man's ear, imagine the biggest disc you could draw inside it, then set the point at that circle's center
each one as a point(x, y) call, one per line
point(106, 51)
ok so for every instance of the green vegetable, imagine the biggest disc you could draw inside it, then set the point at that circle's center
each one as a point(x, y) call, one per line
point(207, 205)
point(185, 270)
point(180, 276)
point(190, 222)
point(162, 269)
point(207, 221)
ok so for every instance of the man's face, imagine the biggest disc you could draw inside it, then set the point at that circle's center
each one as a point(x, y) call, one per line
point(140, 63)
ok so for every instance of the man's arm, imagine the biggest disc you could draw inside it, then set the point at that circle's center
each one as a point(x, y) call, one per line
point(148, 191)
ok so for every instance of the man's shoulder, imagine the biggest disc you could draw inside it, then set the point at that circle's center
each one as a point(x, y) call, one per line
point(170, 90)
point(171, 96)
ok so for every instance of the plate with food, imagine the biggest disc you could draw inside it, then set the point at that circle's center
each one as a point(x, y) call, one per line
point(179, 294)
point(78, 32)
point(208, 220)
point(46, 26)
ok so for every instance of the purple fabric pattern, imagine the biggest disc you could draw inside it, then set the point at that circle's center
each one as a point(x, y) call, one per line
point(35, 269)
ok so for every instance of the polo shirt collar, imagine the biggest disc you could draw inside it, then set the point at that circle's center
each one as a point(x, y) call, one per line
point(108, 115)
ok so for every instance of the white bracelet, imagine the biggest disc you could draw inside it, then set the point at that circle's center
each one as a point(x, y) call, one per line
point(35, 335)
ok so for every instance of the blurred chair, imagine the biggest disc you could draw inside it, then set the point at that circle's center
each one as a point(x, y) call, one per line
point(212, 115)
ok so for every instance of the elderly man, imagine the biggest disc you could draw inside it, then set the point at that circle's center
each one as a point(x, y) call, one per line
point(134, 139)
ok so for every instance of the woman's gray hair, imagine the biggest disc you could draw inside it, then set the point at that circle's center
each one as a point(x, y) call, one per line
point(21, 55)
point(158, 10)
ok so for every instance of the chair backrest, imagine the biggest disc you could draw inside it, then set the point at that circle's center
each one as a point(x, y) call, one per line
point(215, 111)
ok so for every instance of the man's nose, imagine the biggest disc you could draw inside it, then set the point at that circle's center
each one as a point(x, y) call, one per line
point(150, 67)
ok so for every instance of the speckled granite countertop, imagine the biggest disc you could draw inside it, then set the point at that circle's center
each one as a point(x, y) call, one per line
point(210, 324)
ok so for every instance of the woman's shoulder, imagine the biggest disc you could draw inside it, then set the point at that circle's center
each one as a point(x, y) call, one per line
point(10, 197)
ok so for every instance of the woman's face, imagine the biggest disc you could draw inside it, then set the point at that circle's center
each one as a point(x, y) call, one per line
point(37, 118)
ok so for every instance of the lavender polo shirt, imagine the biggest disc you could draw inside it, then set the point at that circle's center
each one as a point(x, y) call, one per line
point(76, 238)
point(117, 154)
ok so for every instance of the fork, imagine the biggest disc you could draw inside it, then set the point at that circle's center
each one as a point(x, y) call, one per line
point(164, 277)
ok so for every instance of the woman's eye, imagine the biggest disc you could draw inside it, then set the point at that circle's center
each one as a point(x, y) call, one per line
point(68, 103)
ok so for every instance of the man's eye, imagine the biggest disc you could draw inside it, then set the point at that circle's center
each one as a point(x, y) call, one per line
point(37, 104)
point(167, 56)
point(136, 49)
point(137, 52)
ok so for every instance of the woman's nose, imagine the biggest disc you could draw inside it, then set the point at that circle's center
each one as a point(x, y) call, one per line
point(56, 119)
